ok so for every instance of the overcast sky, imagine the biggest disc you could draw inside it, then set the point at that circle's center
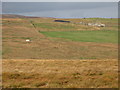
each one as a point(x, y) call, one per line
point(62, 9)
point(59, 0)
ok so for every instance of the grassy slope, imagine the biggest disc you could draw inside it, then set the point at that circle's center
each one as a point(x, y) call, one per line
point(46, 24)
point(57, 73)
point(16, 31)
point(86, 36)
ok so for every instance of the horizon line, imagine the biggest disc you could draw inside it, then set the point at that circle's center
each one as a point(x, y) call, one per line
point(55, 17)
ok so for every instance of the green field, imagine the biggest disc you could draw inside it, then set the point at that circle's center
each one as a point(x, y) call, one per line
point(54, 26)
point(66, 40)
point(85, 36)
point(59, 55)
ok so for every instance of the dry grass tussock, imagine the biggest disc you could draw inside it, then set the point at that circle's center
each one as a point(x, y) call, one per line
point(60, 73)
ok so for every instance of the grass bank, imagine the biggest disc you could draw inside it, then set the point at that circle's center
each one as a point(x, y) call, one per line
point(85, 36)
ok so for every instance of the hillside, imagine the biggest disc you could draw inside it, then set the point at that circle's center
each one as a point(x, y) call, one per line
point(12, 16)
point(59, 54)
point(16, 16)
point(76, 41)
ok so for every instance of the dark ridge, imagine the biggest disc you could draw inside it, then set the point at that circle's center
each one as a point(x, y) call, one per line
point(12, 16)
point(19, 16)
point(16, 16)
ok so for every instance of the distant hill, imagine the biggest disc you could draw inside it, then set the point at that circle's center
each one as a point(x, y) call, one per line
point(16, 16)
point(20, 16)
point(12, 16)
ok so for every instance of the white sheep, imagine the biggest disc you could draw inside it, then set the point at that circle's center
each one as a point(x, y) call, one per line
point(102, 25)
point(27, 40)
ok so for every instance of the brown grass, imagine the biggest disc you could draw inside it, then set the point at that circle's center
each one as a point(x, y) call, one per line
point(19, 71)
point(30, 73)
point(16, 31)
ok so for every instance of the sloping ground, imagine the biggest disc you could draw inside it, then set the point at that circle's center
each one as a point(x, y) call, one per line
point(48, 24)
point(85, 36)
point(15, 16)
point(12, 16)
point(59, 50)
point(16, 31)
point(28, 73)
point(48, 62)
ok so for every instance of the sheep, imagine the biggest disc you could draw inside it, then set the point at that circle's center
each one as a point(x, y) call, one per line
point(28, 40)
point(102, 25)
point(81, 22)
point(93, 24)
point(90, 24)
point(96, 24)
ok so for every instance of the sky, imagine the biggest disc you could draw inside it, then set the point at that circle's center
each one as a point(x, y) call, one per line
point(59, 0)
point(62, 9)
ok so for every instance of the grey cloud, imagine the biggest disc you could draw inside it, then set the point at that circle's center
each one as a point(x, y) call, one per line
point(62, 9)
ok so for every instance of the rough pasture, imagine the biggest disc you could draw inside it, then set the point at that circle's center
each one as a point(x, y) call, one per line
point(60, 55)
